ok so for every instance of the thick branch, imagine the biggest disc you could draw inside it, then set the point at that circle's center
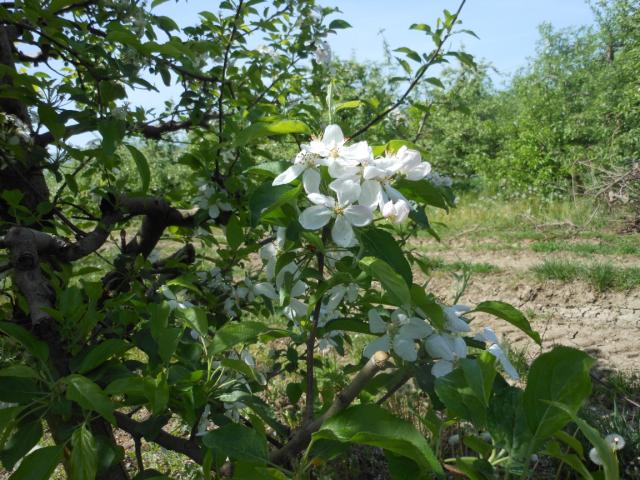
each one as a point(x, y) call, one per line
point(176, 444)
point(301, 439)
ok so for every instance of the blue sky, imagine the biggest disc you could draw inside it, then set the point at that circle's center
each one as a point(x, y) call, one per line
point(507, 28)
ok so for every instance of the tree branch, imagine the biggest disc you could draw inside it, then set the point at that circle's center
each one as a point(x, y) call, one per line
point(378, 362)
point(181, 445)
point(416, 80)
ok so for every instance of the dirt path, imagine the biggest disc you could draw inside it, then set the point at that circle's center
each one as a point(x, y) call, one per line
point(607, 325)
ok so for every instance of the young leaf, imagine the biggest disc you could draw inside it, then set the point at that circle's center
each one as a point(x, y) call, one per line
point(36, 347)
point(89, 396)
point(40, 464)
point(234, 333)
point(376, 427)
point(561, 375)
point(84, 455)
point(143, 167)
point(510, 314)
point(238, 442)
point(381, 244)
point(102, 352)
point(392, 283)
point(264, 129)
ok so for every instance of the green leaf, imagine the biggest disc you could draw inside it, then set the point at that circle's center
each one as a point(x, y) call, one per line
point(553, 450)
point(349, 104)
point(238, 442)
point(234, 233)
point(412, 54)
point(392, 283)
point(167, 341)
point(20, 390)
point(460, 398)
point(429, 306)
point(196, 318)
point(264, 129)
point(606, 453)
point(241, 367)
point(24, 438)
point(381, 244)
point(40, 464)
point(89, 396)
point(22, 371)
point(337, 23)
point(52, 120)
point(510, 314)
point(269, 169)
point(101, 353)
point(143, 167)
point(424, 191)
point(37, 348)
point(234, 333)
point(561, 375)
point(376, 427)
point(112, 132)
point(267, 198)
point(84, 454)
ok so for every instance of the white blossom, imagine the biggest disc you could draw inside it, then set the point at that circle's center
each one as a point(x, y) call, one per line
point(203, 423)
point(323, 53)
point(347, 215)
point(396, 212)
point(488, 336)
point(446, 350)
point(172, 299)
point(401, 334)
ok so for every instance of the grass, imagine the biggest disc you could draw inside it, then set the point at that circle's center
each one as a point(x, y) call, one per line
point(619, 247)
point(601, 276)
point(437, 263)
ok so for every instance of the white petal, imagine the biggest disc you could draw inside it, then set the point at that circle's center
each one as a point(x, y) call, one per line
point(438, 346)
point(455, 324)
point(405, 348)
point(441, 368)
point(315, 217)
point(214, 211)
point(388, 209)
point(266, 289)
point(289, 175)
point(358, 215)
point(311, 180)
point(376, 323)
point(487, 335)
point(415, 329)
point(298, 289)
point(459, 347)
point(370, 191)
point(419, 172)
point(394, 194)
point(333, 136)
point(381, 344)
point(342, 233)
point(358, 152)
point(340, 169)
point(347, 190)
point(497, 352)
point(371, 171)
point(320, 199)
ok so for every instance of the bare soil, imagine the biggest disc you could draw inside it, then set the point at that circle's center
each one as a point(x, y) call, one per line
point(607, 325)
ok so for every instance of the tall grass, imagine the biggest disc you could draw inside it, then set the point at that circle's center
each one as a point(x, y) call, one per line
point(601, 276)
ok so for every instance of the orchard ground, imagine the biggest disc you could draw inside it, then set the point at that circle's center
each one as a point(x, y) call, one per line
point(567, 265)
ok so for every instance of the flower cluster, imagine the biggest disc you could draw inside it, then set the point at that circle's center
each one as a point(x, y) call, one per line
point(360, 183)
point(445, 347)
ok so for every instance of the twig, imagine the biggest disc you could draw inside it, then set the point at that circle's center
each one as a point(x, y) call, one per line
point(311, 342)
point(223, 81)
point(416, 80)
